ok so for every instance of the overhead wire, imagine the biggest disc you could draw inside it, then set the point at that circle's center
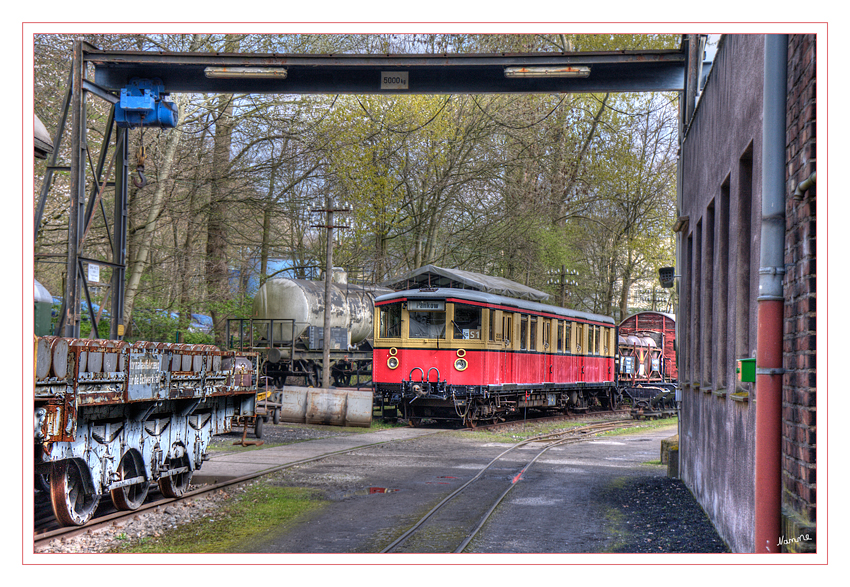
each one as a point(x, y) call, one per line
point(408, 131)
point(558, 105)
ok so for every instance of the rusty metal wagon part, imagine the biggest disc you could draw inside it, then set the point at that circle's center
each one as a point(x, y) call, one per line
point(113, 418)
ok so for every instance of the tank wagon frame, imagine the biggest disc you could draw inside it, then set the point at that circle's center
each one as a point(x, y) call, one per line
point(294, 356)
point(111, 417)
point(287, 326)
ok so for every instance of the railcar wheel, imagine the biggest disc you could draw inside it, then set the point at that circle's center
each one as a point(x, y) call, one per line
point(177, 484)
point(130, 497)
point(72, 505)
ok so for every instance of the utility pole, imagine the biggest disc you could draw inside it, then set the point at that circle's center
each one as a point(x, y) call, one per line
point(329, 266)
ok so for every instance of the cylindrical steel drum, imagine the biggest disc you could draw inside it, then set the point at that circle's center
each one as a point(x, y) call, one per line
point(339, 408)
point(294, 404)
point(358, 410)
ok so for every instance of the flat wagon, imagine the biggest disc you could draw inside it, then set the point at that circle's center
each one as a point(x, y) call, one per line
point(112, 417)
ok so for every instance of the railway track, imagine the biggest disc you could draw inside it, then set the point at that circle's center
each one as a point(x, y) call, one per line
point(572, 436)
point(46, 529)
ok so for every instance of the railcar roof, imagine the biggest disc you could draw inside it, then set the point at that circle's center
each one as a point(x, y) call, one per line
point(666, 314)
point(492, 299)
point(433, 276)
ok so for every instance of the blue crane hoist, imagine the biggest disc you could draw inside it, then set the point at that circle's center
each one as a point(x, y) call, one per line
point(142, 103)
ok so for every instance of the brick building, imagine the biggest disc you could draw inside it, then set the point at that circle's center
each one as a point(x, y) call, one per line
point(727, 156)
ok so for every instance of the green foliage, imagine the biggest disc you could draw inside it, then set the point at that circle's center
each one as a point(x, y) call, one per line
point(510, 185)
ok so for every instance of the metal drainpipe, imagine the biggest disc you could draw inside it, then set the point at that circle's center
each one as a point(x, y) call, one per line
point(768, 482)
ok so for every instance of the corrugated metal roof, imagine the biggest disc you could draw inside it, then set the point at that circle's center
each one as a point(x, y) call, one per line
point(432, 276)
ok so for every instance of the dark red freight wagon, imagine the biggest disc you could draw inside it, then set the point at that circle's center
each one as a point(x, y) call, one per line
point(647, 348)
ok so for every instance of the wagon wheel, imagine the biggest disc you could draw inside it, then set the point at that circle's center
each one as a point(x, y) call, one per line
point(613, 404)
point(258, 427)
point(130, 497)
point(42, 482)
point(177, 484)
point(72, 506)
point(276, 416)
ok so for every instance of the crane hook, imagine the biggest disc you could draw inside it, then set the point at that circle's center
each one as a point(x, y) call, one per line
point(142, 181)
point(140, 169)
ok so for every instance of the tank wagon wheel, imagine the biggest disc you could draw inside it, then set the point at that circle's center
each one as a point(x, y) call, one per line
point(72, 506)
point(130, 497)
point(177, 484)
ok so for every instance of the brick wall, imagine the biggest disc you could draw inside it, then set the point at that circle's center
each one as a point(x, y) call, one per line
point(799, 443)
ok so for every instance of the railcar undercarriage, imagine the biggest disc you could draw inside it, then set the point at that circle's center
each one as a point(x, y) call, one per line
point(469, 406)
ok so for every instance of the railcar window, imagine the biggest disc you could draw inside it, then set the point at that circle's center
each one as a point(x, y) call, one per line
point(491, 333)
point(507, 333)
point(523, 332)
point(391, 321)
point(591, 346)
point(467, 322)
point(567, 334)
point(559, 335)
point(532, 336)
point(547, 334)
point(428, 324)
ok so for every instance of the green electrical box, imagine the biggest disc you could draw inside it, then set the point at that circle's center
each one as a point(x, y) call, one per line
point(746, 370)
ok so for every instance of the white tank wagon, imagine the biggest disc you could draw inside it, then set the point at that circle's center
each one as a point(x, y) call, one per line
point(111, 417)
point(298, 305)
point(287, 329)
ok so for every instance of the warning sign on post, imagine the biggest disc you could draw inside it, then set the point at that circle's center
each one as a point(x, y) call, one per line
point(394, 80)
point(94, 273)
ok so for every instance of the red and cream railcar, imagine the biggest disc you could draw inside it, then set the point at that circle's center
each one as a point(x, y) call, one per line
point(460, 354)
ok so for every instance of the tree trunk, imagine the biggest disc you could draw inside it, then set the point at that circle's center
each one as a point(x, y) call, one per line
point(216, 263)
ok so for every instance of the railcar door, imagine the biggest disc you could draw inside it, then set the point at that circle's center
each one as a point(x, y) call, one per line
point(507, 342)
point(548, 356)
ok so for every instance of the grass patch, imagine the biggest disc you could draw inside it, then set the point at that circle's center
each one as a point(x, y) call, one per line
point(523, 431)
point(642, 427)
point(258, 511)
point(657, 463)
